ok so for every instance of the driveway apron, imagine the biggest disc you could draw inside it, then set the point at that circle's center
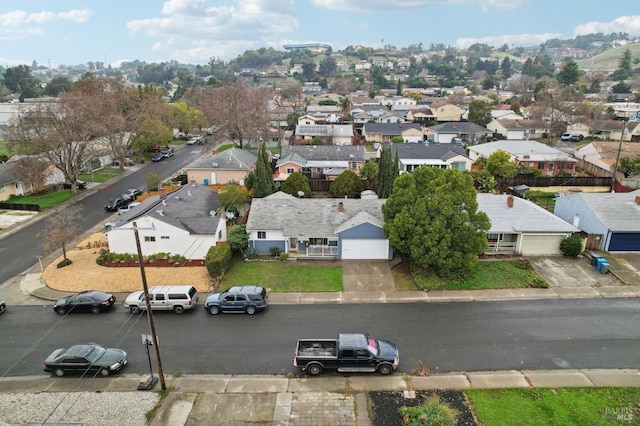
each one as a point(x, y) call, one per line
point(366, 275)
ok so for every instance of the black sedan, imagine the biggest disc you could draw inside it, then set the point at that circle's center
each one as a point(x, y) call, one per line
point(114, 204)
point(89, 358)
point(80, 184)
point(87, 301)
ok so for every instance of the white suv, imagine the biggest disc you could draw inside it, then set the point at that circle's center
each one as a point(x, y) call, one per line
point(177, 298)
point(565, 137)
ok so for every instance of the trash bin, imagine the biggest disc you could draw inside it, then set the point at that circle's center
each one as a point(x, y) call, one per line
point(594, 259)
point(601, 261)
point(604, 267)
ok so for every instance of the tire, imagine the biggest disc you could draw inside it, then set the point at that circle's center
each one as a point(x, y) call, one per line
point(95, 310)
point(251, 309)
point(58, 372)
point(178, 309)
point(385, 369)
point(104, 372)
point(61, 311)
point(214, 310)
point(134, 309)
point(314, 369)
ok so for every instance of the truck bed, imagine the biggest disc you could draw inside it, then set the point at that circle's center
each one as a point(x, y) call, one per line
point(317, 348)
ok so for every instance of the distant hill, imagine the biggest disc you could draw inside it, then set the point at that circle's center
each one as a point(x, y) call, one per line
point(608, 60)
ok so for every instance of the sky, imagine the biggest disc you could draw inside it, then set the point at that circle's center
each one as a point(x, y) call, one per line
point(72, 32)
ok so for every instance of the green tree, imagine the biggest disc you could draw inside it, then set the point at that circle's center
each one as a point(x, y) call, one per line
point(624, 70)
point(237, 238)
point(233, 198)
point(500, 166)
point(479, 112)
point(297, 182)
point(505, 66)
point(432, 217)
point(621, 87)
point(347, 184)
point(327, 67)
point(571, 246)
point(369, 172)
point(630, 166)
point(386, 174)
point(570, 73)
point(264, 184)
point(153, 180)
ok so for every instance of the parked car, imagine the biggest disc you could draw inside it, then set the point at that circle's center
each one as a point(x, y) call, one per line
point(127, 208)
point(80, 184)
point(131, 194)
point(3, 306)
point(238, 299)
point(577, 138)
point(177, 298)
point(85, 359)
point(168, 152)
point(192, 141)
point(565, 137)
point(155, 148)
point(86, 301)
point(158, 157)
point(114, 204)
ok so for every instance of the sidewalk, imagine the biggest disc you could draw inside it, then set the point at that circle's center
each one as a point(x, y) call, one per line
point(275, 400)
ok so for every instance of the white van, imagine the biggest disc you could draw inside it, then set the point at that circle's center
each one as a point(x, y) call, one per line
point(164, 298)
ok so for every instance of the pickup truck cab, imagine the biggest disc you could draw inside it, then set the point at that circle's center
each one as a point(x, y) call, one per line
point(349, 353)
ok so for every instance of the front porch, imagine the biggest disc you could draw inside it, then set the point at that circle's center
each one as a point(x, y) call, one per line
point(502, 243)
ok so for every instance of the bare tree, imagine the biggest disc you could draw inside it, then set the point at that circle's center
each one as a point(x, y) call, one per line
point(31, 170)
point(240, 111)
point(61, 229)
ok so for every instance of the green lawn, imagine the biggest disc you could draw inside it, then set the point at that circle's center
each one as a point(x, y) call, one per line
point(562, 406)
point(101, 175)
point(283, 276)
point(44, 201)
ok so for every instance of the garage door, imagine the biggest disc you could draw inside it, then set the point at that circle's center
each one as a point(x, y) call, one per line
point(365, 249)
point(625, 242)
point(539, 245)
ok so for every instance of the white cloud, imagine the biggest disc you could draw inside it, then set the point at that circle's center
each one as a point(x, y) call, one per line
point(509, 39)
point(19, 18)
point(623, 24)
point(385, 5)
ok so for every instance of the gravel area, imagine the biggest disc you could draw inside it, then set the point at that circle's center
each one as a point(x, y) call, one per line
point(84, 273)
point(90, 408)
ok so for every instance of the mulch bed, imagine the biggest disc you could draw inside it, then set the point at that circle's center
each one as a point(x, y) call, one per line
point(163, 263)
point(385, 406)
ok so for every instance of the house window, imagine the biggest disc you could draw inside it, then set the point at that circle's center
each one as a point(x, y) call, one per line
point(290, 170)
point(149, 239)
point(540, 166)
point(319, 169)
point(164, 237)
point(353, 165)
point(550, 167)
point(318, 241)
point(458, 165)
point(262, 235)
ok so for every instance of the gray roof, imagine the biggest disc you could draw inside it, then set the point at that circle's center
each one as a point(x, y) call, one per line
point(392, 129)
point(617, 211)
point(337, 130)
point(322, 153)
point(192, 207)
point(7, 174)
point(521, 148)
point(524, 216)
point(231, 159)
point(426, 151)
point(312, 217)
point(462, 127)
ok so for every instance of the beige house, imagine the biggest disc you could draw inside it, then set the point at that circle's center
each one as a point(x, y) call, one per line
point(518, 129)
point(446, 111)
point(230, 166)
point(607, 130)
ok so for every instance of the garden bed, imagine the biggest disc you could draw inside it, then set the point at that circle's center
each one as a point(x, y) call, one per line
point(160, 263)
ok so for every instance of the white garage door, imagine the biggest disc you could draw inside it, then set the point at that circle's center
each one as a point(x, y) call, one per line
point(537, 245)
point(365, 249)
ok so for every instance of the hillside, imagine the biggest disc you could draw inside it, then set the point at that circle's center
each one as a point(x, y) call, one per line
point(608, 60)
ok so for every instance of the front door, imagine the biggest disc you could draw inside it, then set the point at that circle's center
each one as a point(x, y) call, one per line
point(293, 244)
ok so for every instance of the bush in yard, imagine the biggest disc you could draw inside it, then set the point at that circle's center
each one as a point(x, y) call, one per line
point(238, 238)
point(571, 246)
point(249, 253)
point(431, 412)
point(217, 260)
point(274, 251)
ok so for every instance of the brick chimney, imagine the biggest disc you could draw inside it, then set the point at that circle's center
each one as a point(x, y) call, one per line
point(340, 207)
point(637, 200)
point(510, 201)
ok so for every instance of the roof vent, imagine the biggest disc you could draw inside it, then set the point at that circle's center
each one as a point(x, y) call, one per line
point(189, 193)
point(164, 203)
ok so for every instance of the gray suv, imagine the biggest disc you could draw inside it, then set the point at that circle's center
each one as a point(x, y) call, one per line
point(239, 299)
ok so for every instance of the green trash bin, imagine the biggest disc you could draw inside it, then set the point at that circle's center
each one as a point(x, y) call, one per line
point(594, 259)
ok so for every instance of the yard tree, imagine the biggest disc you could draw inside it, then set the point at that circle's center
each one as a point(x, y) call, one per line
point(570, 73)
point(61, 229)
point(263, 184)
point(31, 170)
point(347, 184)
point(432, 218)
point(153, 180)
point(500, 166)
point(386, 174)
point(233, 197)
point(238, 238)
point(295, 183)
point(369, 172)
point(479, 112)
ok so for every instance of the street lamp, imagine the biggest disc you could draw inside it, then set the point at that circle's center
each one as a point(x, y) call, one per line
point(615, 166)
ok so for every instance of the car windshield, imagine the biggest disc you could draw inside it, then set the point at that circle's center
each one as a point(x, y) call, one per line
point(95, 353)
point(373, 346)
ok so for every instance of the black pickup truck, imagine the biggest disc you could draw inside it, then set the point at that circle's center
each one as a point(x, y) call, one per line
point(349, 353)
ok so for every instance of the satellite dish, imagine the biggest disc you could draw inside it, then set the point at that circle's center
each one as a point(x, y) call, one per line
point(300, 193)
point(214, 164)
point(230, 215)
point(376, 145)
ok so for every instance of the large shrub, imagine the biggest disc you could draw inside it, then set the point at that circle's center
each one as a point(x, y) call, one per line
point(217, 260)
point(571, 246)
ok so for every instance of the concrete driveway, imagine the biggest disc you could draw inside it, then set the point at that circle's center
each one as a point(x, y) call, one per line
point(367, 276)
point(560, 271)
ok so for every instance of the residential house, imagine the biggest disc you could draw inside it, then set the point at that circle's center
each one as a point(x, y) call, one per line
point(385, 132)
point(185, 222)
point(319, 161)
point(521, 226)
point(443, 156)
point(328, 109)
point(422, 115)
point(610, 220)
point(330, 134)
point(318, 228)
point(518, 129)
point(230, 166)
point(448, 132)
point(604, 154)
point(608, 130)
point(532, 154)
point(10, 185)
point(446, 111)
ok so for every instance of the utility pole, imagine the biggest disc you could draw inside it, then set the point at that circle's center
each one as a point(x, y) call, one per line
point(152, 327)
point(615, 166)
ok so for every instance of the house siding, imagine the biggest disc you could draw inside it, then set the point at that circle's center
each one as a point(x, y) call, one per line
point(570, 207)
